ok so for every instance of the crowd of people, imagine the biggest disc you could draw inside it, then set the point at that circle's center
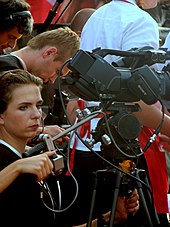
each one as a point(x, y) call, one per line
point(29, 189)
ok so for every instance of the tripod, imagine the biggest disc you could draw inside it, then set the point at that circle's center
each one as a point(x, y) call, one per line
point(118, 179)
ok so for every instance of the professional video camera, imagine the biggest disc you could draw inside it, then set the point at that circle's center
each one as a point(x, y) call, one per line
point(117, 86)
point(93, 78)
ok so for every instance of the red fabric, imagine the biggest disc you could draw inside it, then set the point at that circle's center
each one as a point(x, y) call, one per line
point(158, 174)
point(85, 128)
point(39, 9)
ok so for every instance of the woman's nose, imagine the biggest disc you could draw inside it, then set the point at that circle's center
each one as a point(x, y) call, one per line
point(37, 113)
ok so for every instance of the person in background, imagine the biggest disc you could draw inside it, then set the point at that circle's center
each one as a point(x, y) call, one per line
point(16, 21)
point(80, 18)
point(164, 139)
point(70, 8)
point(20, 117)
point(132, 33)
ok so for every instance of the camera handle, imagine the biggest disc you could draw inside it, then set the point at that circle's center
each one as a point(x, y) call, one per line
point(99, 174)
point(57, 159)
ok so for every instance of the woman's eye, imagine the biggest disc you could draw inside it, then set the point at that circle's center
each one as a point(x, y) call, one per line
point(23, 107)
point(39, 107)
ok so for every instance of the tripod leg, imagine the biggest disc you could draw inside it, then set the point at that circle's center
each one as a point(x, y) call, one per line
point(93, 200)
point(156, 216)
point(98, 175)
point(141, 194)
point(115, 197)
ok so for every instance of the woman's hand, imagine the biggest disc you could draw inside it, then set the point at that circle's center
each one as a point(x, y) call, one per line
point(54, 130)
point(40, 165)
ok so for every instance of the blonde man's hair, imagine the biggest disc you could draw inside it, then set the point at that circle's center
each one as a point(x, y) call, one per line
point(64, 39)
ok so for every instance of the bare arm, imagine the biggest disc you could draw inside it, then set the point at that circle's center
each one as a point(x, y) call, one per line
point(72, 106)
point(150, 116)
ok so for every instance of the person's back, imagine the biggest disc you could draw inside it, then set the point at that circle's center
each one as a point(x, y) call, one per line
point(120, 26)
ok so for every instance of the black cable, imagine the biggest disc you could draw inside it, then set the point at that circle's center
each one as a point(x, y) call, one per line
point(157, 131)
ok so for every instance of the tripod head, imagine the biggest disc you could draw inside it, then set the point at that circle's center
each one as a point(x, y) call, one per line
point(118, 133)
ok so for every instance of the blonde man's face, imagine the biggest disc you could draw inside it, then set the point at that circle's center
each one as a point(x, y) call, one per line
point(48, 68)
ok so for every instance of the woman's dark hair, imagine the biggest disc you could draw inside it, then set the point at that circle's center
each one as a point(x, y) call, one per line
point(10, 80)
point(15, 13)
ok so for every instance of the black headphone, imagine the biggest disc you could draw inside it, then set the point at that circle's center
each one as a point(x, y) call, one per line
point(17, 15)
point(23, 20)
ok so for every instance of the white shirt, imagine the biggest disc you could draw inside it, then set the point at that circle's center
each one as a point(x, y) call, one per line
point(119, 25)
point(165, 45)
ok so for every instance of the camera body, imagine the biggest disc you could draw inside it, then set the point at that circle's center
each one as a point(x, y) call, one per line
point(92, 78)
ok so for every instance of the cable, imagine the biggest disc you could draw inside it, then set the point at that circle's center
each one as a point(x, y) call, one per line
point(157, 131)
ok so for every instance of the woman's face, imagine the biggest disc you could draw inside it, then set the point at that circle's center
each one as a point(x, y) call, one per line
point(22, 117)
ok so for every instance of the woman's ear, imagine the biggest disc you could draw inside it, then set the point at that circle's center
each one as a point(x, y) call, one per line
point(50, 51)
